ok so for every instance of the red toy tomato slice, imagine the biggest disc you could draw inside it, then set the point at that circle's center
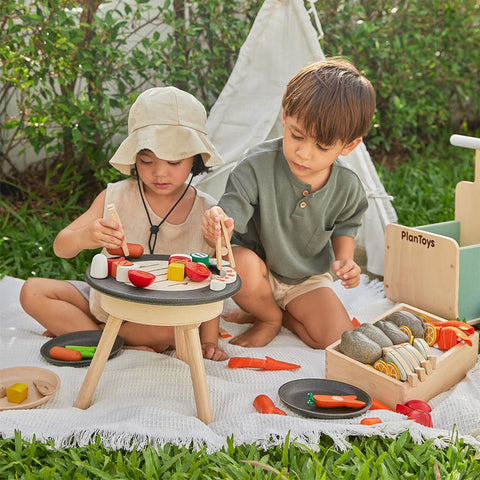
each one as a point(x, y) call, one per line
point(421, 417)
point(141, 279)
point(403, 409)
point(196, 271)
point(419, 405)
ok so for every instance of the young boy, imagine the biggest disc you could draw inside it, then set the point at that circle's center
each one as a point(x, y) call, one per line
point(295, 209)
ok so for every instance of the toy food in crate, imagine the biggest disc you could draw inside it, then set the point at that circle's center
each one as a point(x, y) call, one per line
point(405, 354)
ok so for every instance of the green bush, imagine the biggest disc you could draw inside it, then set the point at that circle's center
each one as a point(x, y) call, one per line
point(423, 59)
point(75, 66)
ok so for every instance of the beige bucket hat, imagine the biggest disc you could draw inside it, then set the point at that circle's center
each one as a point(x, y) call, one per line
point(169, 122)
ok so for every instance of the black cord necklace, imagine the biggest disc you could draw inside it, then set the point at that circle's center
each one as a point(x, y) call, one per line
point(155, 228)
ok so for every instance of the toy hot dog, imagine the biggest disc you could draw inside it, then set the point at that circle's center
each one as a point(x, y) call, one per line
point(134, 250)
point(62, 353)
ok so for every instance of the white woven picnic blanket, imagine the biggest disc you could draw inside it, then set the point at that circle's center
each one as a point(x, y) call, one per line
point(147, 398)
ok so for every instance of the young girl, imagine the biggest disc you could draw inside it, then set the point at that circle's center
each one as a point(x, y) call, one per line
point(166, 145)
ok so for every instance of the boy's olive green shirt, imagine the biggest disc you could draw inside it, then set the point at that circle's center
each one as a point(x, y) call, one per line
point(278, 217)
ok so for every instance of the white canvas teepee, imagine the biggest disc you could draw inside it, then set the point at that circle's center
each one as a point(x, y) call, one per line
point(281, 42)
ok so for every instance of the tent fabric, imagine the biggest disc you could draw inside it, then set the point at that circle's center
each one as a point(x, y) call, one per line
point(248, 110)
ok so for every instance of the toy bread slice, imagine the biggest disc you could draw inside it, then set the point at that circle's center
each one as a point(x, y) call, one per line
point(422, 346)
point(395, 358)
point(415, 353)
point(411, 359)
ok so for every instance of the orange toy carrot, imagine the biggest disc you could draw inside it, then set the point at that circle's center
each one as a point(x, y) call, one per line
point(370, 421)
point(448, 337)
point(376, 405)
point(62, 353)
point(267, 364)
point(264, 404)
point(332, 401)
point(355, 323)
point(464, 327)
point(223, 333)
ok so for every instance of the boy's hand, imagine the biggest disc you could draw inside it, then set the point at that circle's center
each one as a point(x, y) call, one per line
point(211, 351)
point(211, 228)
point(347, 271)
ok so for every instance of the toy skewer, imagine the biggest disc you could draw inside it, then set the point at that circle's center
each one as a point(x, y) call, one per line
point(227, 243)
point(218, 251)
point(114, 216)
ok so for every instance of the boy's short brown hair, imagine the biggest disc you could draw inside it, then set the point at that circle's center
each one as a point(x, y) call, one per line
point(332, 100)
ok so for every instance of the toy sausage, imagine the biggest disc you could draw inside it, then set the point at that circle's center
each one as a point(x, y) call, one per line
point(134, 250)
point(62, 353)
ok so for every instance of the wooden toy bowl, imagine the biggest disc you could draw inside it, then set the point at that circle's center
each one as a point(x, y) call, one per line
point(446, 369)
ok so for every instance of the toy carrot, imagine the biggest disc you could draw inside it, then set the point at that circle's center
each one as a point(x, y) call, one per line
point(464, 327)
point(223, 333)
point(264, 404)
point(370, 421)
point(355, 323)
point(267, 364)
point(448, 337)
point(62, 353)
point(332, 401)
point(376, 405)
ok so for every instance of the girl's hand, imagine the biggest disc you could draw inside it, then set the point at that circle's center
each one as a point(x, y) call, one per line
point(103, 232)
point(347, 271)
point(211, 228)
point(211, 351)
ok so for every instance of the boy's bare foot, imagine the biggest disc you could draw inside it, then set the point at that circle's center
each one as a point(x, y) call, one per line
point(238, 316)
point(259, 335)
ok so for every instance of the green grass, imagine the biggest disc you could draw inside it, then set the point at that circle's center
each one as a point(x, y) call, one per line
point(369, 459)
point(423, 188)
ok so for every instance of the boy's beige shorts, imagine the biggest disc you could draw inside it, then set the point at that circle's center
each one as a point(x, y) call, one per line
point(283, 293)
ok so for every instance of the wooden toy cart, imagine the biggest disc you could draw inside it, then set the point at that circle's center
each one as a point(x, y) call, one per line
point(437, 267)
point(445, 369)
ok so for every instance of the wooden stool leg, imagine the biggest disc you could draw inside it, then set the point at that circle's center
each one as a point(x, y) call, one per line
point(197, 372)
point(84, 398)
point(180, 345)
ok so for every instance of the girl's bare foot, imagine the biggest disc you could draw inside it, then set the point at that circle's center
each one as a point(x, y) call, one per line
point(239, 316)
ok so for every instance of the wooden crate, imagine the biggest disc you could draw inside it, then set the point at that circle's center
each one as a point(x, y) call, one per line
point(446, 369)
point(426, 267)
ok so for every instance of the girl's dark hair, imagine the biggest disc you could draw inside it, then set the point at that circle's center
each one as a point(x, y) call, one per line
point(198, 166)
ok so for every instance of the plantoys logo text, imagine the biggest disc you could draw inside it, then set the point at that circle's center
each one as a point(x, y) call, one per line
point(418, 238)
